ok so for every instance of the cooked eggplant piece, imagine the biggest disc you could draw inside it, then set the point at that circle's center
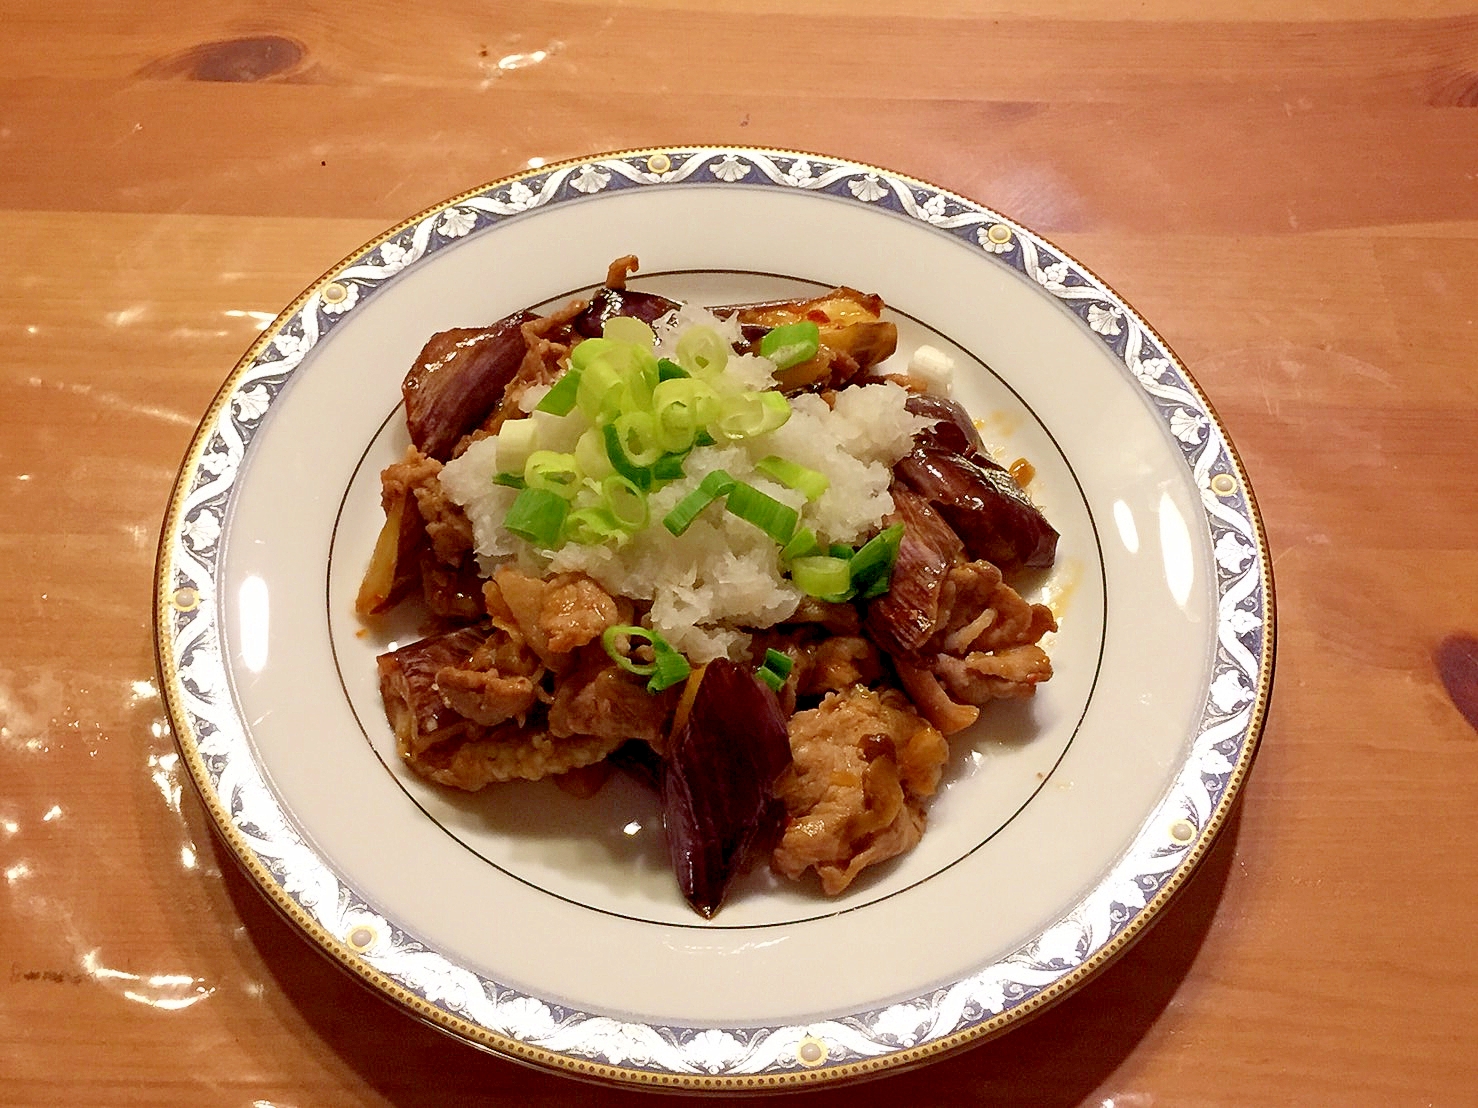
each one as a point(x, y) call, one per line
point(615, 299)
point(984, 506)
point(902, 620)
point(975, 493)
point(840, 306)
point(852, 337)
point(841, 354)
point(954, 429)
point(408, 685)
point(717, 780)
point(394, 567)
point(610, 302)
point(458, 379)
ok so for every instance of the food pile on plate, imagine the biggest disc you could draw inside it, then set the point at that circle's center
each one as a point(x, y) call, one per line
point(720, 549)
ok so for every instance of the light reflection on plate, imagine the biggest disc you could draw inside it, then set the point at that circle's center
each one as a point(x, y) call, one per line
point(549, 929)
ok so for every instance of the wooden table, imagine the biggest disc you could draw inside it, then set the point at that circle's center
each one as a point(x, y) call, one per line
point(1288, 191)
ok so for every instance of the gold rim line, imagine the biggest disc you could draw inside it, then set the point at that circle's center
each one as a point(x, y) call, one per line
point(343, 955)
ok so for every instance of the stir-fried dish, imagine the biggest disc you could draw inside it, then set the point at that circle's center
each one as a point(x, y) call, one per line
point(717, 548)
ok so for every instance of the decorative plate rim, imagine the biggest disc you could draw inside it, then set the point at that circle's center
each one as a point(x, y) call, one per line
point(605, 1048)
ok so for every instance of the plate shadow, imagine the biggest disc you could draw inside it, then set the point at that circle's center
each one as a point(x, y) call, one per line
point(1055, 1060)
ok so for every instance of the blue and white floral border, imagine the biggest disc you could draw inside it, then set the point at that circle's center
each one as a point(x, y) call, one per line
point(1174, 836)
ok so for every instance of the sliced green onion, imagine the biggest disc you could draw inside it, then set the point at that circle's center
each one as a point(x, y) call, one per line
point(823, 577)
point(776, 669)
point(672, 668)
point(841, 550)
point(791, 343)
point(747, 414)
point(537, 515)
point(586, 352)
point(588, 495)
point(548, 469)
point(717, 483)
point(625, 328)
point(801, 544)
point(872, 565)
point(640, 476)
point(667, 668)
point(601, 385)
point(637, 433)
point(772, 517)
point(669, 467)
point(590, 453)
point(779, 661)
point(621, 374)
point(668, 370)
point(713, 486)
point(625, 501)
point(795, 476)
point(702, 351)
point(641, 379)
point(517, 439)
point(592, 526)
point(561, 398)
point(681, 406)
point(510, 480)
point(609, 637)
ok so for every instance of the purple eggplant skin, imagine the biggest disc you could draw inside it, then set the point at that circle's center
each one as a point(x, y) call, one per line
point(408, 679)
point(717, 780)
point(953, 429)
point(902, 619)
point(611, 302)
point(950, 466)
point(986, 508)
point(458, 379)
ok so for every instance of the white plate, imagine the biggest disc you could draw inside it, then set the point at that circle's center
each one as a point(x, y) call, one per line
point(549, 929)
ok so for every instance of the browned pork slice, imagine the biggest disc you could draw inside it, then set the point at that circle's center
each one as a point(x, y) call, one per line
point(448, 530)
point(547, 343)
point(467, 707)
point(838, 663)
point(820, 663)
point(1009, 674)
point(604, 700)
point(979, 611)
point(983, 648)
point(485, 696)
point(555, 616)
point(509, 753)
point(426, 539)
point(862, 764)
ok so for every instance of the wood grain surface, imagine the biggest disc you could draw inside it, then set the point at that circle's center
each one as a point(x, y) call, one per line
point(1289, 192)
